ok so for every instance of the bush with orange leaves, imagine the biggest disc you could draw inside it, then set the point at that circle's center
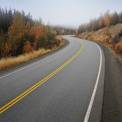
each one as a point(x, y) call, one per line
point(27, 47)
point(118, 48)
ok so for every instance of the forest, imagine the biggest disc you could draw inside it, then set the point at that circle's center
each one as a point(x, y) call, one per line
point(19, 33)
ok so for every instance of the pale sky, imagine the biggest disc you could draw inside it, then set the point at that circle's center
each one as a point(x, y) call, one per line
point(64, 12)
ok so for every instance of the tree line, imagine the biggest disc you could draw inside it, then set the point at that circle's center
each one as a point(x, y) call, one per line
point(19, 33)
point(107, 19)
point(64, 30)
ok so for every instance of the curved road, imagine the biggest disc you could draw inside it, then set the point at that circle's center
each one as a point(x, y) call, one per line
point(58, 88)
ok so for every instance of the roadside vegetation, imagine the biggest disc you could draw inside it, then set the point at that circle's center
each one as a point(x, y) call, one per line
point(107, 30)
point(22, 38)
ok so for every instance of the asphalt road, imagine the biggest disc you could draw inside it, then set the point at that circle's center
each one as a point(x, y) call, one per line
point(66, 84)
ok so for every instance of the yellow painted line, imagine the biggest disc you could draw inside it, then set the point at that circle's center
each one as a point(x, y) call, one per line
point(39, 83)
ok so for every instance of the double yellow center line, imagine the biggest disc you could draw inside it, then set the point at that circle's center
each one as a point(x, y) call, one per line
point(39, 83)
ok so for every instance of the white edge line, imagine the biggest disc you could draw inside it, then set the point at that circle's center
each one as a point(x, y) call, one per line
point(24, 67)
point(20, 69)
point(17, 70)
point(87, 115)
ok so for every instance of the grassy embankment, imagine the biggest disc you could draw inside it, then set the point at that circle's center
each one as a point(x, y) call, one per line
point(13, 61)
point(106, 30)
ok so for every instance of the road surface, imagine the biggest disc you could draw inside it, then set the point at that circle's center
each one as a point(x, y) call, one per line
point(58, 88)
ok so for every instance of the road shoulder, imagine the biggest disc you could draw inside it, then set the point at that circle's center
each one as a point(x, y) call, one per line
point(112, 105)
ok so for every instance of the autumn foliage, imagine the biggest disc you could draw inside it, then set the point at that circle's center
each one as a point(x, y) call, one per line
point(106, 30)
point(19, 34)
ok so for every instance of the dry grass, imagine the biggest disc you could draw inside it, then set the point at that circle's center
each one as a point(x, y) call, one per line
point(12, 61)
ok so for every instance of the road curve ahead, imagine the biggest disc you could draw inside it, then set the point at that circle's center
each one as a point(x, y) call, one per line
point(58, 88)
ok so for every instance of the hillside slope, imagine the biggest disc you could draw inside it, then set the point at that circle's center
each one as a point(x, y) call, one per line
point(109, 36)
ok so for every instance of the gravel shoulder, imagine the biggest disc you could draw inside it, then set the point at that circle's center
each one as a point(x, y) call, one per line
point(112, 100)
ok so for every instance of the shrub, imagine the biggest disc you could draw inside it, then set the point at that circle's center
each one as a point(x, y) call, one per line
point(27, 47)
point(118, 47)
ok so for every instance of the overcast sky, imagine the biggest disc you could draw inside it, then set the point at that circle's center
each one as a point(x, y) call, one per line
point(64, 12)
